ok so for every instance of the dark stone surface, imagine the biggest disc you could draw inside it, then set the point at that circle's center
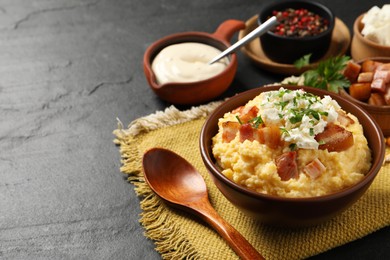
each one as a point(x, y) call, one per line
point(68, 69)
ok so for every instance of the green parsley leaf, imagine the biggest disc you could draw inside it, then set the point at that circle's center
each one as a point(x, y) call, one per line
point(303, 61)
point(328, 74)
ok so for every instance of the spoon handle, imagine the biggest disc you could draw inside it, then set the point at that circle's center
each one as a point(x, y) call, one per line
point(236, 241)
point(261, 29)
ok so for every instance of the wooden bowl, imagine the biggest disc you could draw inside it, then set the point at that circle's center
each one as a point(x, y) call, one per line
point(381, 114)
point(292, 212)
point(200, 91)
point(362, 48)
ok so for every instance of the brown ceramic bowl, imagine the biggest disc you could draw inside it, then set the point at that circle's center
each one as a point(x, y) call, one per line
point(380, 113)
point(293, 212)
point(199, 91)
point(362, 48)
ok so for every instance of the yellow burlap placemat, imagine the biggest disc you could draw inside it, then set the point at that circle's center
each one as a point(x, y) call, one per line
point(178, 235)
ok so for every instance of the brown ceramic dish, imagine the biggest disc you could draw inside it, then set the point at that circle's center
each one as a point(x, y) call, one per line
point(380, 113)
point(293, 212)
point(200, 91)
point(362, 48)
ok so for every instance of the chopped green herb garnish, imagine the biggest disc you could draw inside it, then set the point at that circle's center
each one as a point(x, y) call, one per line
point(256, 121)
point(299, 113)
point(239, 120)
point(296, 118)
point(293, 147)
point(311, 131)
point(282, 104)
point(284, 131)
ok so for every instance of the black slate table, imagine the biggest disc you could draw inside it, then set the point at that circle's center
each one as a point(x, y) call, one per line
point(68, 69)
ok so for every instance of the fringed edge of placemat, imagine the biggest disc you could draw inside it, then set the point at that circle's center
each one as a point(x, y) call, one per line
point(170, 116)
point(153, 217)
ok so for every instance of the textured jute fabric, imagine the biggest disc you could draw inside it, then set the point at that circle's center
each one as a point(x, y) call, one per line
point(178, 235)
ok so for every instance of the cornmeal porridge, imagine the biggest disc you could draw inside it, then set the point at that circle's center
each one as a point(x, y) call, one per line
point(291, 143)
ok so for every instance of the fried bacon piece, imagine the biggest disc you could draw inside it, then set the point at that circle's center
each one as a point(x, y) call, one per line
point(247, 132)
point(384, 66)
point(352, 71)
point(334, 138)
point(344, 119)
point(246, 115)
point(229, 131)
point(365, 77)
point(314, 169)
point(370, 65)
point(360, 91)
point(230, 128)
point(287, 166)
point(378, 85)
point(268, 135)
point(382, 74)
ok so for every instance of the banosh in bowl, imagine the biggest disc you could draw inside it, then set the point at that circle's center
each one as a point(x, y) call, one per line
point(287, 50)
point(197, 92)
point(381, 114)
point(291, 212)
point(362, 48)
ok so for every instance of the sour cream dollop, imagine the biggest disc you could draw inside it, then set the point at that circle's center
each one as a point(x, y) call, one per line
point(187, 62)
point(299, 114)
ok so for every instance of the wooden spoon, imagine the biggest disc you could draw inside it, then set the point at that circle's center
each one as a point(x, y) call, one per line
point(177, 182)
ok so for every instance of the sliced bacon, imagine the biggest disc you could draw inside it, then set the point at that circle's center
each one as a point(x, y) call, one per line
point(287, 166)
point(382, 74)
point(344, 119)
point(370, 65)
point(378, 85)
point(229, 131)
point(269, 135)
point(360, 91)
point(247, 132)
point(352, 71)
point(384, 66)
point(251, 113)
point(365, 77)
point(314, 169)
point(334, 138)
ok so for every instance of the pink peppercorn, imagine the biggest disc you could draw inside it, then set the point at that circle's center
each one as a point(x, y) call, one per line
point(299, 23)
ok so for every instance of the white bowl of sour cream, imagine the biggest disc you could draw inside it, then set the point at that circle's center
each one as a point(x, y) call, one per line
point(176, 66)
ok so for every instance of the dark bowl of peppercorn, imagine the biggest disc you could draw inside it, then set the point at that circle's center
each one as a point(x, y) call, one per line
point(305, 27)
